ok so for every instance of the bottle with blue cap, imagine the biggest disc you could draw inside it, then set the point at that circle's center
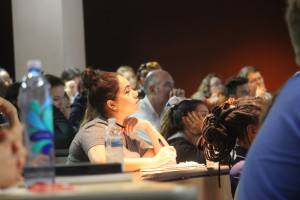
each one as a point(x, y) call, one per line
point(37, 118)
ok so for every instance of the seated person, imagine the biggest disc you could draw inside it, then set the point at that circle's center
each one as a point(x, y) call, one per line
point(235, 119)
point(181, 127)
point(159, 87)
point(13, 154)
point(110, 96)
point(236, 87)
point(129, 74)
point(273, 162)
point(142, 73)
point(210, 91)
point(255, 81)
point(71, 78)
point(63, 131)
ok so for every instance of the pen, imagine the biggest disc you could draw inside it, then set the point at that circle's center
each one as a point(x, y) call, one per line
point(161, 143)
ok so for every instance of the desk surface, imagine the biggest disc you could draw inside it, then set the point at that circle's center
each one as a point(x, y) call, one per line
point(197, 183)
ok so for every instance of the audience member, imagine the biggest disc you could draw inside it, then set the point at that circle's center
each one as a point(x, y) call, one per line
point(255, 81)
point(66, 106)
point(129, 74)
point(236, 87)
point(13, 153)
point(142, 72)
point(71, 78)
point(273, 162)
point(159, 87)
point(63, 131)
point(210, 91)
point(110, 96)
point(5, 82)
point(235, 119)
point(181, 127)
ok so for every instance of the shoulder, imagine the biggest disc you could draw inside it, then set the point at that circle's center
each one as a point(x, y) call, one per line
point(94, 125)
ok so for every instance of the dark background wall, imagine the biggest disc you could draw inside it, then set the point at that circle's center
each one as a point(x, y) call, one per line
point(191, 38)
point(6, 38)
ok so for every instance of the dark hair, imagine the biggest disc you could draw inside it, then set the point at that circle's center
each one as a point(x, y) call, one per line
point(100, 88)
point(231, 85)
point(12, 94)
point(246, 70)
point(54, 80)
point(70, 73)
point(172, 121)
point(228, 122)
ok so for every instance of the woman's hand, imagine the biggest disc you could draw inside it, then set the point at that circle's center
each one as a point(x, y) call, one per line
point(131, 124)
point(166, 156)
point(193, 122)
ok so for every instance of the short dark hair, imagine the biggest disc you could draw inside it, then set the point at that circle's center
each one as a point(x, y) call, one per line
point(54, 80)
point(70, 73)
point(231, 85)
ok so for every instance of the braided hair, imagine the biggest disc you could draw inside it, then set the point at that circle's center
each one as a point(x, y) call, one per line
point(226, 124)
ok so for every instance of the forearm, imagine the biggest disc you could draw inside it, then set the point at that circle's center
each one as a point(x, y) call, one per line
point(155, 136)
point(134, 164)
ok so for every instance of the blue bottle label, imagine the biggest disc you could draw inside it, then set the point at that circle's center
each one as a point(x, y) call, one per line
point(40, 126)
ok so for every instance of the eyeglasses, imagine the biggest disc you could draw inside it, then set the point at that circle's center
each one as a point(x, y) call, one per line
point(217, 84)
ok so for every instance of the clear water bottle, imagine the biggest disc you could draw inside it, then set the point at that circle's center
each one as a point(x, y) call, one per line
point(114, 143)
point(37, 117)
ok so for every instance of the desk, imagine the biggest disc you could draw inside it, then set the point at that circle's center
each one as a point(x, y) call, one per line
point(205, 179)
point(123, 190)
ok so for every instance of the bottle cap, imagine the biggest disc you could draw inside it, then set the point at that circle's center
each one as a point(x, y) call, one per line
point(37, 64)
point(112, 121)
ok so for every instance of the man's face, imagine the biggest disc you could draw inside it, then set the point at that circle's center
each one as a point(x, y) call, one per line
point(165, 84)
point(242, 90)
point(255, 79)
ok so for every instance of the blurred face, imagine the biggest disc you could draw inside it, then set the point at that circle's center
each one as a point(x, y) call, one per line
point(255, 79)
point(66, 107)
point(57, 94)
point(130, 76)
point(216, 85)
point(164, 86)
point(242, 90)
point(203, 110)
point(127, 102)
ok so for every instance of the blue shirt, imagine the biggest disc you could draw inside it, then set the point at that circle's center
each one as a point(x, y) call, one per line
point(272, 168)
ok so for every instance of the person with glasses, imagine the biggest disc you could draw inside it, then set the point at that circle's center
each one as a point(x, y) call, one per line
point(210, 91)
point(255, 81)
point(181, 127)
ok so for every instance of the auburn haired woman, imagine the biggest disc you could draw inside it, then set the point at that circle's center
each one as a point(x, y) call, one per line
point(110, 96)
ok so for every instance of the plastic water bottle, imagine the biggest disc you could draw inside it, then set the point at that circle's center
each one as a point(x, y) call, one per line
point(37, 117)
point(114, 143)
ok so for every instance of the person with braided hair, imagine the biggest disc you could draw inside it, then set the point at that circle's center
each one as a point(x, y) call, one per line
point(234, 120)
point(272, 170)
point(181, 127)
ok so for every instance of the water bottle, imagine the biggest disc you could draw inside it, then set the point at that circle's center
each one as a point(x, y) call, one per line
point(114, 143)
point(37, 117)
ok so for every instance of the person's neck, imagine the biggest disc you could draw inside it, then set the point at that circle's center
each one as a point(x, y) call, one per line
point(193, 138)
point(119, 119)
point(158, 107)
